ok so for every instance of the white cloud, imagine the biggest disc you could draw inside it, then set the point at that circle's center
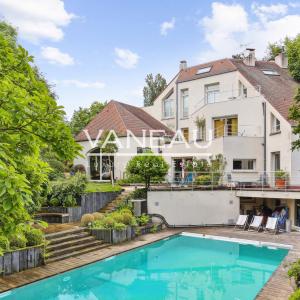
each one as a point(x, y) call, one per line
point(126, 58)
point(83, 84)
point(229, 29)
point(166, 26)
point(265, 12)
point(36, 19)
point(55, 56)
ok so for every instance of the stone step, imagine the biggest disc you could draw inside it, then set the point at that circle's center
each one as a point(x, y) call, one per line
point(67, 238)
point(59, 234)
point(74, 248)
point(77, 253)
point(66, 245)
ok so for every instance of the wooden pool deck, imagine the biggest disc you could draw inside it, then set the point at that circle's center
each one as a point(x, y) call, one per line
point(278, 287)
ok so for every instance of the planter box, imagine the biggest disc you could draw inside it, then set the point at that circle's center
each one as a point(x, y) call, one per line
point(89, 203)
point(20, 260)
point(113, 236)
point(147, 228)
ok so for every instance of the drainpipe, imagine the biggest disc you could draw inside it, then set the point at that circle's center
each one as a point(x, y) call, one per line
point(265, 142)
point(177, 112)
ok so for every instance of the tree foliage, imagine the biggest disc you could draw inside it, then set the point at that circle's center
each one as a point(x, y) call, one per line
point(154, 86)
point(147, 166)
point(273, 49)
point(83, 116)
point(30, 120)
point(293, 53)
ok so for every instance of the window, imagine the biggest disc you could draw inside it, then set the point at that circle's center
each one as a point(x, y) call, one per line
point(212, 92)
point(203, 70)
point(275, 124)
point(185, 133)
point(270, 72)
point(168, 108)
point(201, 133)
point(243, 164)
point(142, 150)
point(185, 103)
point(242, 90)
point(276, 161)
point(225, 127)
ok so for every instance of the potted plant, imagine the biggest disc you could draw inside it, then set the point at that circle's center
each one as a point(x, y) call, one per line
point(280, 178)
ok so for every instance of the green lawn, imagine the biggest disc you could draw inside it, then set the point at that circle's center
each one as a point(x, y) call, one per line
point(93, 187)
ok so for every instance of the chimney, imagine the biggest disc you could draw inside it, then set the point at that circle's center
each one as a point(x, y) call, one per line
point(183, 65)
point(249, 59)
point(281, 60)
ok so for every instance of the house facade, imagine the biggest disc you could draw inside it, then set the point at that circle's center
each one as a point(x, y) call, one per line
point(234, 107)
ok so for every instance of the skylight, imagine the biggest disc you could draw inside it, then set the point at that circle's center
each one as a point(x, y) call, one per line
point(270, 72)
point(203, 70)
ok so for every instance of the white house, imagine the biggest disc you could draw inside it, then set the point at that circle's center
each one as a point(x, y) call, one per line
point(242, 106)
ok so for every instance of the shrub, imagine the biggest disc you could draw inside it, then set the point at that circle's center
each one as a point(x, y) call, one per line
point(127, 218)
point(69, 201)
point(18, 241)
point(108, 222)
point(86, 219)
point(97, 216)
point(98, 224)
point(203, 180)
point(295, 295)
point(153, 228)
point(144, 219)
point(67, 191)
point(139, 194)
point(294, 270)
point(119, 226)
point(117, 216)
point(4, 243)
point(78, 168)
point(54, 202)
point(34, 237)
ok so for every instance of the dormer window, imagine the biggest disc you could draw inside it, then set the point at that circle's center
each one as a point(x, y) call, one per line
point(270, 72)
point(203, 70)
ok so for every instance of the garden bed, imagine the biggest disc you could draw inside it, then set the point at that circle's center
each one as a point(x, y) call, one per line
point(21, 259)
point(89, 203)
point(113, 236)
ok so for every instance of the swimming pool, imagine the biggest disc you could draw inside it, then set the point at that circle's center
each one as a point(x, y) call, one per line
point(185, 266)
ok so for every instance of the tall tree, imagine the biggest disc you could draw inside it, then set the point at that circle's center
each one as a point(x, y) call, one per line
point(273, 49)
point(83, 116)
point(154, 86)
point(293, 53)
point(30, 121)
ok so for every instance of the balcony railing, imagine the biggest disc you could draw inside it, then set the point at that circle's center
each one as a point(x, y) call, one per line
point(237, 180)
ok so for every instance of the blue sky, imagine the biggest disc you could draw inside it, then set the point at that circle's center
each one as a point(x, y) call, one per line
point(101, 50)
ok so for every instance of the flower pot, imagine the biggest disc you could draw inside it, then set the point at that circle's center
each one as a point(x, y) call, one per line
point(280, 183)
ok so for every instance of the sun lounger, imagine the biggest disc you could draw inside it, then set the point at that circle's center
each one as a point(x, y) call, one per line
point(256, 223)
point(241, 221)
point(272, 225)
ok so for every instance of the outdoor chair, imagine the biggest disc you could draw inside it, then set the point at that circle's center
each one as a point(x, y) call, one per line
point(241, 222)
point(272, 225)
point(256, 223)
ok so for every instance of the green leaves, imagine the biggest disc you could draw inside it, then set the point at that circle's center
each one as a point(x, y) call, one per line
point(154, 86)
point(30, 120)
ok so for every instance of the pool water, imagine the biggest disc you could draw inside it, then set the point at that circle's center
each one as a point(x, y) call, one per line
point(181, 267)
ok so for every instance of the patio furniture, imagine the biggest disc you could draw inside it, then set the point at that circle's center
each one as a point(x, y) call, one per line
point(272, 225)
point(241, 222)
point(256, 223)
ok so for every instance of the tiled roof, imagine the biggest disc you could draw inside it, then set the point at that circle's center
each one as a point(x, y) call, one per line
point(121, 117)
point(217, 67)
point(278, 90)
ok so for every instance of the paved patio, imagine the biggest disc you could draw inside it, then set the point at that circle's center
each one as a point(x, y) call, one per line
point(278, 287)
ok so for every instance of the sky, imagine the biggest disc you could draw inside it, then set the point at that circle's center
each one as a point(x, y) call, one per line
point(98, 50)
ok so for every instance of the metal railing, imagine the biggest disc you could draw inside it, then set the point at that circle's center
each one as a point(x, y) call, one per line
point(235, 180)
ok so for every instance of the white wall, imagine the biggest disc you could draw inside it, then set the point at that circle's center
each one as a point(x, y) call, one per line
point(194, 207)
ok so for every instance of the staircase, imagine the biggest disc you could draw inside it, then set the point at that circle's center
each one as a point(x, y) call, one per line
point(110, 207)
point(70, 243)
